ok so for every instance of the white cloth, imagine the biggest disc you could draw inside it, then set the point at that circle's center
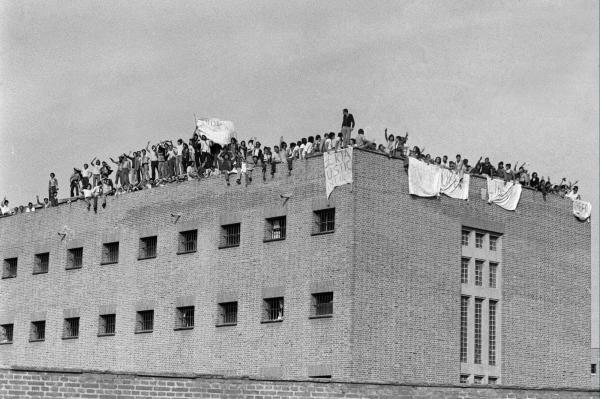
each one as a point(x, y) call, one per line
point(582, 209)
point(217, 130)
point(424, 180)
point(504, 194)
point(338, 169)
point(451, 184)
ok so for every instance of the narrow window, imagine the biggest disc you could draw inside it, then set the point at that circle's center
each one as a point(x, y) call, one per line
point(464, 270)
point(107, 324)
point(41, 262)
point(75, 258)
point(322, 304)
point(493, 380)
point(594, 366)
point(477, 339)
point(464, 379)
point(492, 332)
point(464, 311)
point(493, 243)
point(110, 253)
point(38, 331)
point(230, 235)
point(185, 317)
point(275, 228)
point(479, 240)
point(228, 313)
point(478, 380)
point(187, 241)
point(144, 321)
point(320, 376)
point(465, 238)
point(10, 268)
point(493, 274)
point(324, 221)
point(147, 247)
point(71, 328)
point(479, 272)
point(6, 333)
point(273, 309)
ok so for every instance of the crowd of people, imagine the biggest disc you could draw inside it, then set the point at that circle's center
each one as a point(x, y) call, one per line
point(200, 158)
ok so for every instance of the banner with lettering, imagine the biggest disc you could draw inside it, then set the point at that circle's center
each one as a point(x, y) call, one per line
point(217, 130)
point(582, 209)
point(506, 194)
point(455, 185)
point(338, 169)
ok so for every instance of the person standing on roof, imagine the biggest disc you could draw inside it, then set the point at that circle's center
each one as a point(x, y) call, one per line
point(347, 126)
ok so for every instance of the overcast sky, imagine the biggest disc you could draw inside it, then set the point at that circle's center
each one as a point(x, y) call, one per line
point(512, 80)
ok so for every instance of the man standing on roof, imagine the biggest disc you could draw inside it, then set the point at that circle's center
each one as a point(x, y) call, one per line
point(347, 126)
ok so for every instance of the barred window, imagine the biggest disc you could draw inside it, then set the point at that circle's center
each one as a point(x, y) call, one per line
point(464, 312)
point(275, 228)
point(492, 332)
point(228, 313)
point(273, 309)
point(110, 253)
point(148, 247)
point(464, 379)
point(107, 324)
point(322, 304)
point(477, 340)
point(479, 272)
point(75, 258)
point(479, 240)
point(464, 270)
point(187, 241)
point(493, 243)
point(478, 380)
point(185, 317)
point(144, 321)
point(324, 221)
point(38, 331)
point(465, 238)
point(6, 333)
point(41, 262)
point(493, 274)
point(10, 268)
point(71, 328)
point(230, 235)
point(493, 380)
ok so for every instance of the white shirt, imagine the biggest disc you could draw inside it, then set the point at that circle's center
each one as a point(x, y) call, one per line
point(5, 210)
point(87, 193)
point(32, 209)
point(95, 169)
point(179, 149)
point(87, 173)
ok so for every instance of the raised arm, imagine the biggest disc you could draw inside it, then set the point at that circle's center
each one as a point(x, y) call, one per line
point(385, 134)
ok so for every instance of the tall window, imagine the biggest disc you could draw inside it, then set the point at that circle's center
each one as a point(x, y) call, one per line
point(71, 328)
point(187, 241)
point(110, 253)
point(107, 324)
point(324, 221)
point(275, 228)
point(493, 243)
point(477, 346)
point(493, 274)
point(10, 268)
point(230, 235)
point(185, 317)
point(465, 238)
point(228, 312)
point(492, 333)
point(144, 321)
point(41, 262)
point(75, 258)
point(6, 333)
point(323, 304)
point(464, 270)
point(38, 331)
point(273, 309)
point(464, 311)
point(479, 240)
point(148, 247)
point(479, 272)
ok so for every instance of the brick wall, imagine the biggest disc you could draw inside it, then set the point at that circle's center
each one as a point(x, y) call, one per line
point(97, 385)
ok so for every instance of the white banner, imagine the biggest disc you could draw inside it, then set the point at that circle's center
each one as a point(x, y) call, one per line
point(338, 169)
point(424, 180)
point(455, 185)
point(582, 209)
point(216, 130)
point(504, 194)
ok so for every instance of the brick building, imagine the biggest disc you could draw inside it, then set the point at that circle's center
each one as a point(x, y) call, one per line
point(275, 280)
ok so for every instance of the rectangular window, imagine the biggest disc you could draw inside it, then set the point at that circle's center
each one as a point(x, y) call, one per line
point(324, 221)
point(464, 311)
point(144, 321)
point(464, 379)
point(230, 235)
point(228, 313)
point(479, 240)
point(322, 304)
point(41, 263)
point(464, 270)
point(493, 243)
point(185, 317)
point(594, 368)
point(75, 258)
point(110, 253)
point(493, 380)
point(38, 331)
point(479, 272)
point(478, 380)
point(6, 333)
point(477, 339)
point(275, 228)
point(493, 274)
point(273, 309)
point(465, 238)
point(107, 324)
point(187, 241)
point(492, 332)
point(10, 268)
point(147, 247)
point(71, 328)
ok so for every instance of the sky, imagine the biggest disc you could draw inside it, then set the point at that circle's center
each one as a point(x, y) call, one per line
point(512, 80)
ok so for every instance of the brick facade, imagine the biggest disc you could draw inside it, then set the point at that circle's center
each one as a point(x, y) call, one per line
point(393, 264)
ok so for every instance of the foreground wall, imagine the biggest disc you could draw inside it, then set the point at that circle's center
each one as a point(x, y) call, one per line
point(25, 383)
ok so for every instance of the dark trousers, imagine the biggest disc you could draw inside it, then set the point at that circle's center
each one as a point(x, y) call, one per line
point(75, 188)
point(154, 167)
